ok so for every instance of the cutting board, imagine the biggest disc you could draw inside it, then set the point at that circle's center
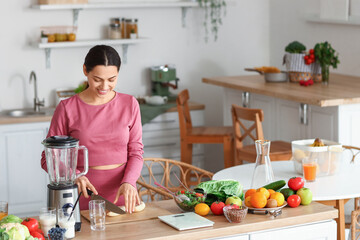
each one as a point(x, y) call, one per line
point(151, 211)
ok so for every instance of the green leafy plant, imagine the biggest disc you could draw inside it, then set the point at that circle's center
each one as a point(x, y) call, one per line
point(213, 15)
point(295, 47)
point(326, 56)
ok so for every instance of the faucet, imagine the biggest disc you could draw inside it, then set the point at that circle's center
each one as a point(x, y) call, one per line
point(37, 102)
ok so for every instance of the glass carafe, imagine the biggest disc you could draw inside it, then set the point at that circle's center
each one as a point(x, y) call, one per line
point(61, 158)
point(263, 173)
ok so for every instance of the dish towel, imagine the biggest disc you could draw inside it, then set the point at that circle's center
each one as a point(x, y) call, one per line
point(149, 112)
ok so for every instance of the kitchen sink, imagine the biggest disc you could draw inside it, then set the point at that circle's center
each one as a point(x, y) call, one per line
point(27, 112)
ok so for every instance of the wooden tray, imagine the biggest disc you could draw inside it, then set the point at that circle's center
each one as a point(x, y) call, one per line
point(151, 211)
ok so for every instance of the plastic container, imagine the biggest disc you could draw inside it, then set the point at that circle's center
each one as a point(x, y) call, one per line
point(328, 157)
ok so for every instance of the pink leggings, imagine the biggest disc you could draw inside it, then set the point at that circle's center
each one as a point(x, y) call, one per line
point(106, 182)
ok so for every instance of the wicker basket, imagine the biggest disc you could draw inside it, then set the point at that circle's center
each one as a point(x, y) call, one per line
point(62, 1)
point(298, 70)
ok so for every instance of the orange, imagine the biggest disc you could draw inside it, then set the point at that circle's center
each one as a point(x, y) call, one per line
point(258, 200)
point(247, 201)
point(265, 191)
point(249, 192)
point(279, 197)
point(202, 209)
point(271, 191)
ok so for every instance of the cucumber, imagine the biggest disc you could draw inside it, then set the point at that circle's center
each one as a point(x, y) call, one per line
point(275, 185)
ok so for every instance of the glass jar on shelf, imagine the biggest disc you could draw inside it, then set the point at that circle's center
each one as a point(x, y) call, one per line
point(123, 28)
point(114, 31)
point(128, 27)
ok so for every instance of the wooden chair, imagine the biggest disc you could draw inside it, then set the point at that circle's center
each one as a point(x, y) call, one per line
point(163, 171)
point(203, 135)
point(279, 150)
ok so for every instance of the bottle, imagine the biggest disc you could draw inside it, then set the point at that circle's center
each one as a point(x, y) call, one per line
point(122, 26)
point(128, 26)
point(136, 28)
point(263, 173)
point(114, 31)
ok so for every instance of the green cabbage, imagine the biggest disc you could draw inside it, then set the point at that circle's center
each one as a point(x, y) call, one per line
point(16, 231)
point(11, 219)
point(219, 190)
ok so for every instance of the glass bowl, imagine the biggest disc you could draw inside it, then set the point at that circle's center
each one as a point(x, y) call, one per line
point(235, 215)
point(188, 200)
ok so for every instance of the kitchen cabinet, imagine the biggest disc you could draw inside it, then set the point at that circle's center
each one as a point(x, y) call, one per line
point(283, 118)
point(23, 183)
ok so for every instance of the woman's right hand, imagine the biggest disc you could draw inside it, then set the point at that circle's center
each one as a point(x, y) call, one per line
point(83, 184)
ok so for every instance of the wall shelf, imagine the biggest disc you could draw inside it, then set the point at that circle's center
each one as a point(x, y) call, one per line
point(316, 19)
point(87, 43)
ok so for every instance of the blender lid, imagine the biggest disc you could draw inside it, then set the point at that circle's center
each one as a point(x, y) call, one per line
point(60, 141)
point(163, 68)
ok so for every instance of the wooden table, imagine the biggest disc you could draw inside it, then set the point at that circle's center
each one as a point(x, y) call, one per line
point(342, 89)
point(155, 229)
point(333, 190)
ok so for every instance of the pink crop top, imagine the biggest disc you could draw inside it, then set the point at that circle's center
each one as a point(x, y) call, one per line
point(111, 132)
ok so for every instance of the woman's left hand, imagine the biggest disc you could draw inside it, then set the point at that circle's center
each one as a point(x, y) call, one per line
point(131, 197)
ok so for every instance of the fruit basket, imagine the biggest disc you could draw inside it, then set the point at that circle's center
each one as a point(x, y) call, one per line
point(328, 156)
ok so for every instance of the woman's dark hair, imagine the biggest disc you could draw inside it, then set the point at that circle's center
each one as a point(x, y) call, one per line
point(102, 55)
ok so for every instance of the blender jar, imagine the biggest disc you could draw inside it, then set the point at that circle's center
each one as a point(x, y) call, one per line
point(61, 159)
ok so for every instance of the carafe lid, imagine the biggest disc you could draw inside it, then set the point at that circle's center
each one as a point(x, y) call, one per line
point(60, 142)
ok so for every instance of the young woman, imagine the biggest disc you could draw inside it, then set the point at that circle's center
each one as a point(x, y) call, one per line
point(108, 123)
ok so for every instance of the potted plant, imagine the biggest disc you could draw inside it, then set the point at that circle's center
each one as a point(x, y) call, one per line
point(326, 56)
point(213, 15)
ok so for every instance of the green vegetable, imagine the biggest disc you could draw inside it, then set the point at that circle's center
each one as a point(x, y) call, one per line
point(219, 190)
point(16, 231)
point(326, 55)
point(275, 185)
point(295, 47)
point(10, 219)
point(4, 235)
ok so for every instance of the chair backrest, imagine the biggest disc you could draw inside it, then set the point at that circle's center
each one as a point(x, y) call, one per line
point(184, 112)
point(241, 131)
point(168, 172)
point(355, 151)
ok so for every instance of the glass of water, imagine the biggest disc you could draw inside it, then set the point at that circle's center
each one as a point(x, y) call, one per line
point(97, 215)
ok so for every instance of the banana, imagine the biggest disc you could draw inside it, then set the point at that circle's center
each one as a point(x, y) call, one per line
point(138, 208)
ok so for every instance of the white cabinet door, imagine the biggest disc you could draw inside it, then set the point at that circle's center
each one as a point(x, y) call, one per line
point(316, 231)
point(23, 181)
point(287, 121)
point(323, 123)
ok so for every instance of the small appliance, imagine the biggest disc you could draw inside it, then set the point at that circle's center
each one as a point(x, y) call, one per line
point(61, 158)
point(161, 78)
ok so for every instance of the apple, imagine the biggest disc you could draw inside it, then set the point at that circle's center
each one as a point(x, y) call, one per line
point(306, 195)
point(233, 200)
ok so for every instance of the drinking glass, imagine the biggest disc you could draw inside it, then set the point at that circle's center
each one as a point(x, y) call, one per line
point(310, 168)
point(97, 215)
point(47, 219)
point(3, 209)
point(67, 222)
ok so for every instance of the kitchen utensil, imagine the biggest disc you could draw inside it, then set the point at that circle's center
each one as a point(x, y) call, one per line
point(97, 215)
point(76, 202)
point(263, 173)
point(161, 78)
point(151, 211)
point(272, 77)
point(62, 158)
point(156, 100)
point(272, 211)
point(108, 205)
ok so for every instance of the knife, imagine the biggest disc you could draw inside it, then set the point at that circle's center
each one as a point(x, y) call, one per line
point(108, 205)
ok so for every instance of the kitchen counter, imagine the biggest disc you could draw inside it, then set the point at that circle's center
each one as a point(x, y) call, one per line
point(342, 89)
point(155, 229)
point(42, 118)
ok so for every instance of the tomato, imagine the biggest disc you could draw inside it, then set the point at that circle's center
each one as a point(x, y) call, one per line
point(306, 57)
point(233, 206)
point(312, 57)
point(308, 61)
point(37, 235)
point(39, 231)
point(217, 208)
point(294, 200)
point(199, 194)
point(295, 183)
point(31, 223)
point(311, 51)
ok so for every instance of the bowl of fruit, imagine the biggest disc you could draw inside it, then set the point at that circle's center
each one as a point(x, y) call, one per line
point(187, 200)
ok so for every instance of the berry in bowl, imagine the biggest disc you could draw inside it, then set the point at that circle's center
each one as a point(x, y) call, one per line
point(187, 200)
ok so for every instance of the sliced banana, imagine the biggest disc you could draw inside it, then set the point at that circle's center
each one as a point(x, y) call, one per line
point(138, 208)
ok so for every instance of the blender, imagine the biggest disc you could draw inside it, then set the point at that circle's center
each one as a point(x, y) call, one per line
point(61, 158)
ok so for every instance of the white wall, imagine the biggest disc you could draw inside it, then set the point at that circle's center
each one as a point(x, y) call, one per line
point(243, 42)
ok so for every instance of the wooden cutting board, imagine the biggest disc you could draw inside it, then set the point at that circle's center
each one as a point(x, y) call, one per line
point(152, 210)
